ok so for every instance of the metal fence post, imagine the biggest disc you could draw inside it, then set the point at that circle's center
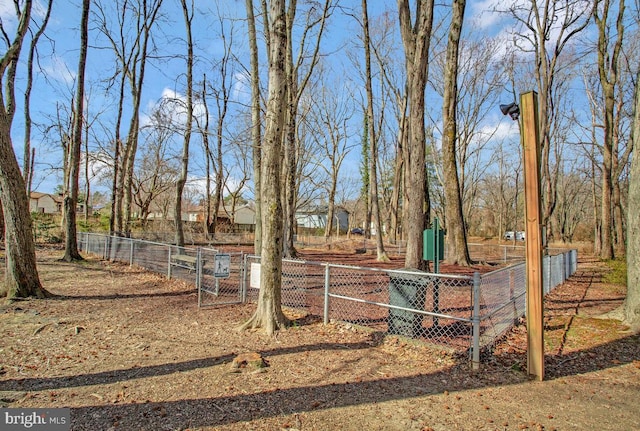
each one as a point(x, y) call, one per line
point(199, 273)
point(326, 294)
point(245, 273)
point(476, 321)
point(242, 268)
point(198, 267)
point(130, 252)
point(169, 263)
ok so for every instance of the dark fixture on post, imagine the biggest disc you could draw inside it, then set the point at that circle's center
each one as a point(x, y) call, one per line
point(512, 109)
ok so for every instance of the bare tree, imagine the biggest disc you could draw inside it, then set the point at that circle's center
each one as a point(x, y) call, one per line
point(29, 153)
point(21, 276)
point(573, 202)
point(373, 139)
point(631, 306)
point(298, 79)
point(187, 12)
point(269, 313)
point(242, 173)
point(392, 86)
point(155, 175)
point(203, 130)
point(131, 43)
point(332, 114)
point(71, 252)
point(608, 65)
point(222, 95)
point(416, 38)
point(458, 252)
point(256, 130)
point(548, 27)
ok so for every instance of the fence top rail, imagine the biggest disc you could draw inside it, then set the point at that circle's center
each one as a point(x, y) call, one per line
point(124, 238)
point(221, 251)
point(499, 270)
point(373, 269)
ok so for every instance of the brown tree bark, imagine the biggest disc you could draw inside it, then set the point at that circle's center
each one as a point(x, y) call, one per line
point(416, 38)
point(71, 252)
point(296, 85)
point(269, 313)
point(458, 252)
point(608, 72)
point(631, 306)
point(21, 275)
point(373, 147)
point(256, 129)
point(187, 12)
point(27, 162)
point(133, 61)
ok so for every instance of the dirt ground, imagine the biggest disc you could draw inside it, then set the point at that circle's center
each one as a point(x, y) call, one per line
point(130, 350)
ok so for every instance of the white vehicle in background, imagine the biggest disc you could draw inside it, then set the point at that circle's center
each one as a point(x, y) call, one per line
point(511, 235)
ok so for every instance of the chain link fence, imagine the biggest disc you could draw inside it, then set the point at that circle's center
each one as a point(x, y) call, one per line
point(464, 313)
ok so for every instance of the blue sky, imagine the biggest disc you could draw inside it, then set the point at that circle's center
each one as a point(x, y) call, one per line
point(55, 79)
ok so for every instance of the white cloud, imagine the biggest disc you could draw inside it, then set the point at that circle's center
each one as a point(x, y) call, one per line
point(174, 106)
point(241, 87)
point(506, 129)
point(58, 70)
point(9, 17)
point(7, 11)
point(483, 14)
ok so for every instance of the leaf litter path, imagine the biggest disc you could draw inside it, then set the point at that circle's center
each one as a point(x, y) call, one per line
point(130, 350)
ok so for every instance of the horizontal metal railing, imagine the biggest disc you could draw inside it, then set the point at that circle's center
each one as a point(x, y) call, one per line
point(465, 313)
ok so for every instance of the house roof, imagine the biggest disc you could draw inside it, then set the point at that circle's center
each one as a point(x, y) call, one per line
point(37, 195)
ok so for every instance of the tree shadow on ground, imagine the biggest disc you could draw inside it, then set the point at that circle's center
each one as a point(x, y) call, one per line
point(222, 410)
point(113, 296)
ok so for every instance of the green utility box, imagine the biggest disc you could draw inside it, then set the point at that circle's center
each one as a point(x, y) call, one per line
point(431, 248)
point(406, 291)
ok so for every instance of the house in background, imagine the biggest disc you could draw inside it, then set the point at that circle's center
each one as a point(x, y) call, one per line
point(45, 203)
point(242, 219)
point(316, 217)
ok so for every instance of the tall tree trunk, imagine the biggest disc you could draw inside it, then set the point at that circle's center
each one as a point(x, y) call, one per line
point(398, 173)
point(631, 306)
point(71, 252)
point(290, 162)
point(296, 84)
point(134, 68)
point(204, 131)
point(365, 173)
point(187, 12)
point(117, 193)
point(458, 252)
point(416, 40)
point(608, 73)
point(256, 129)
point(27, 164)
point(87, 183)
point(373, 160)
point(21, 275)
point(269, 313)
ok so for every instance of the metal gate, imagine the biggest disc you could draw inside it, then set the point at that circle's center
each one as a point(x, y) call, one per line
point(221, 278)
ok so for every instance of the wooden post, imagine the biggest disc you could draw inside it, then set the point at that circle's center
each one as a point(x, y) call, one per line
point(533, 233)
